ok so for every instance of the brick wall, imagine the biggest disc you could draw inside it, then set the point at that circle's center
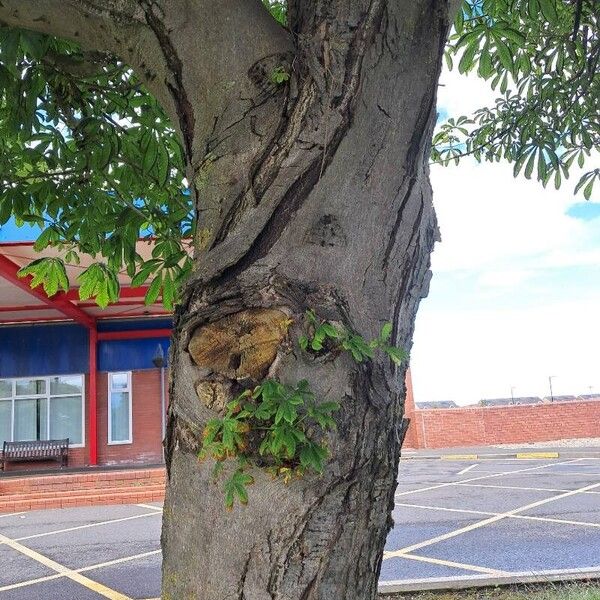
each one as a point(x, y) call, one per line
point(147, 436)
point(447, 428)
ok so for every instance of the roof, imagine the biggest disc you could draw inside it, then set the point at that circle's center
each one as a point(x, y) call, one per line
point(565, 398)
point(510, 401)
point(20, 303)
point(438, 404)
point(589, 397)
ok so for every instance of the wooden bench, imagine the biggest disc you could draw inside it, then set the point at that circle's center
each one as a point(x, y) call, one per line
point(37, 450)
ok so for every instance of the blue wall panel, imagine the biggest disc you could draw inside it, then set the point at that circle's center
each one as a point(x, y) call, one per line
point(131, 324)
point(129, 355)
point(51, 349)
point(60, 349)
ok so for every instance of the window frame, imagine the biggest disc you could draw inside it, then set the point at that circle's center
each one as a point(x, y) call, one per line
point(48, 397)
point(129, 391)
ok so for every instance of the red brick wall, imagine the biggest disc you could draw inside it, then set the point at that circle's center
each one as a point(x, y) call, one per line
point(447, 428)
point(411, 440)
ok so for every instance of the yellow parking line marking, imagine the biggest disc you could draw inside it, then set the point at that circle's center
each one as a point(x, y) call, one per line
point(494, 514)
point(86, 526)
point(488, 521)
point(109, 563)
point(73, 575)
point(456, 565)
point(467, 469)
point(526, 455)
point(479, 478)
point(156, 508)
point(460, 457)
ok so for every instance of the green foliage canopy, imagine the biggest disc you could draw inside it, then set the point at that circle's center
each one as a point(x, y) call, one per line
point(87, 153)
point(543, 58)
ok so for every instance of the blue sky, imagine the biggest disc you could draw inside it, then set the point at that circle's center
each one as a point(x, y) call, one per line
point(515, 294)
point(11, 233)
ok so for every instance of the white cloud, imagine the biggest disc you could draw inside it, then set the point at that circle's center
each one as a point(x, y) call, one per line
point(465, 355)
point(515, 295)
point(488, 216)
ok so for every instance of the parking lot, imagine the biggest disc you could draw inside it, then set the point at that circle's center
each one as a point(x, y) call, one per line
point(492, 520)
point(454, 519)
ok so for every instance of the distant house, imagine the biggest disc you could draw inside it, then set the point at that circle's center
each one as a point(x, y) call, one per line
point(439, 404)
point(588, 397)
point(565, 398)
point(510, 401)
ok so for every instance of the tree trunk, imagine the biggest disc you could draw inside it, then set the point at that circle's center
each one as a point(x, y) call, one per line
point(314, 194)
point(337, 217)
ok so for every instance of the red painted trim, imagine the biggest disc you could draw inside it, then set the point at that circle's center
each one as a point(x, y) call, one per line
point(124, 292)
point(9, 270)
point(134, 334)
point(139, 302)
point(93, 397)
point(10, 244)
point(31, 320)
point(22, 307)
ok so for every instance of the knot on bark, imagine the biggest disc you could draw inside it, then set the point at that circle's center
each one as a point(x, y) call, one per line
point(260, 73)
point(327, 231)
point(240, 347)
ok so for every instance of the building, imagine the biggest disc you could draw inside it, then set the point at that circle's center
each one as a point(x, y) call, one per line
point(510, 401)
point(564, 398)
point(71, 369)
point(438, 404)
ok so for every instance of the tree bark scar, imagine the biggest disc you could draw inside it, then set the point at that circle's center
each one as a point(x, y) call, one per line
point(241, 346)
point(185, 111)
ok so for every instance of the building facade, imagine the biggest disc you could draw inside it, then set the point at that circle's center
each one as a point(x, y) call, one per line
point(69, 369)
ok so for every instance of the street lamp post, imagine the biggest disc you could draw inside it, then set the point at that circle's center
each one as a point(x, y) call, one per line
point(159, 362)
point(512, 394)
point(550, 378)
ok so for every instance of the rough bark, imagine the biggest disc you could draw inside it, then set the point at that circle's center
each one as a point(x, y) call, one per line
point(334, 213)
point(313, 194)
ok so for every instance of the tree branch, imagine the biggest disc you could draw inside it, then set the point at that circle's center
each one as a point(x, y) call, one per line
point(194, 55)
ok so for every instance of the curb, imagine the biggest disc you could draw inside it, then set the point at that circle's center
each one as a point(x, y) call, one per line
point(463, 582)
point(497, 455)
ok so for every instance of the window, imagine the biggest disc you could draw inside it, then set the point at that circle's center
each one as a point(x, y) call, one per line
point(119, 408)
point(42, 408)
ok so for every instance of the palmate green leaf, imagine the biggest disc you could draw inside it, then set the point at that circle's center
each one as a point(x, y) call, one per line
point(313, 456)
point(235, 488)
point(50, 273)
point(386, 332)
point(548, 8)
point(153, 290)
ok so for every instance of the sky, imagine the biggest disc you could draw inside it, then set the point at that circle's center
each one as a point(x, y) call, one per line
point(515, 294)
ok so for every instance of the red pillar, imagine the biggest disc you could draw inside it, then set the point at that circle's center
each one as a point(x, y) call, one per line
point(93, 403)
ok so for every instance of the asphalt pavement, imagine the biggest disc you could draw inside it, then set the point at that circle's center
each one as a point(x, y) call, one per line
point(458, 522)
